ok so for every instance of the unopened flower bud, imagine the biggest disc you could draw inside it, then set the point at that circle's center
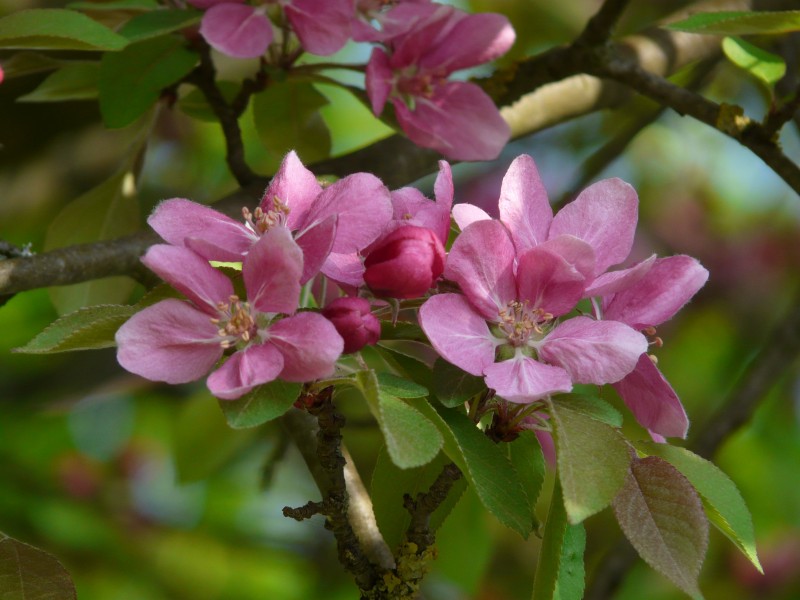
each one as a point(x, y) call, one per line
point(354, 322)
point(405, 264)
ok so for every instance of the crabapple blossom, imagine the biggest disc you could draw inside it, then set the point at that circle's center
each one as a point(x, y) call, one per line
point(425, 43)
point(235, 28)
point(404, 264)
point(339, 220)
point(177, 341)
point(355, 323)
point(504, 325)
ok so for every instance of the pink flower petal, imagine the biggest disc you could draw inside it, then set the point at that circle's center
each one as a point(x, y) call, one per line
point(444, 192)
point(474, 39)
point(168, 341)
point(189, 274)
point(316, 243)
point(458, 119)
point(244, 370)
point(379, 78)
point(323, 26)
point(208, 232)
point(652, 400)
point(592, 351)
point(604, 215)
point(578, 254)
point(237, 30)
point(310, 346)
point(466, 214)
point(523, 380)
point(363, 205)
point(346, 269)
point(457, 332)
point(481, 262)
point(272, 271)
point(524, 207)
point(545, 280)
point(616, 281)
point(666, 287)
point(296, 187)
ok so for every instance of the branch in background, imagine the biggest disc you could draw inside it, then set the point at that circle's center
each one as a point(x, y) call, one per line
point(424, 505)
point(204, 77)
point(609, 152)
point(775, 120)
point(779, 352)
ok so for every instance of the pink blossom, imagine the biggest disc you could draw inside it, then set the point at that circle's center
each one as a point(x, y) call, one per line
point(322, 26)
point(505, 325)
point(424, 44)
point(603, 217)
point(354, 321)
point(405, 264)
point(338, 221)
point(177, 341)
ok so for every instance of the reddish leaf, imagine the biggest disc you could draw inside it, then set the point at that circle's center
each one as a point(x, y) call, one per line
point(662, 515)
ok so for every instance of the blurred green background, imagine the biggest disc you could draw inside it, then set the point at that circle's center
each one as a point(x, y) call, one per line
point(143, 492)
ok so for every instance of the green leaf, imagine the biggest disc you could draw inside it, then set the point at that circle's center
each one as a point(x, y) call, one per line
point(452, 386)
point(419, 351)
point(287, 117)
point(724, 504)
point(662, 516)
point(129, 5)
point(28, 63)
point(196, 105)
point(559, 569)
point(85, 329)
point(592, 460)
point(763, 65)
point(526, 457)
point(56, 29)
point(105, 212)
point(399, 387)
point(263, 404)
point(159, 22)
point(591, 406)
point(485, 466)
point(198, 423)
point(131, 81)
point(411, 439)
point(27, 573)
point(76, 81)
point(390, 483)
point(572, 574)
point(740, 22)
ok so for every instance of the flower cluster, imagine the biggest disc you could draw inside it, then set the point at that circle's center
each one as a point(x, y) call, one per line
point(526, 301)
point(419, 44)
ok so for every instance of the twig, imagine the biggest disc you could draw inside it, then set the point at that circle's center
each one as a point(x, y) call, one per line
point(777, 119)
point(204, 77)
point(425, 504)
point(335, 501)
point(599, 28)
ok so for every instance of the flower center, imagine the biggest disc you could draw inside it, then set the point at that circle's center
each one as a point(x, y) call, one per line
point(236, 323)
point(412, 84)
point(518, 322)
point(261, 221)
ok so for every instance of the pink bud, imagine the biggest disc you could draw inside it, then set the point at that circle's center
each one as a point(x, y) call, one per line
point(405, 264)
point(355, 323)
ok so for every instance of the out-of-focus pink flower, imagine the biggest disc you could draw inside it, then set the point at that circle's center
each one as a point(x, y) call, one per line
point(405, 264)
point(327, 224)
point(2, 75)
point(505, 325)
point(376, 12)
point(235, 29)
point(177, 341)
point(424, 44)
point(354, 321)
